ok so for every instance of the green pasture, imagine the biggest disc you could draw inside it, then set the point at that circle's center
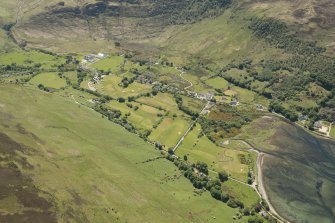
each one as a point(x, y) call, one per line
point(193, 104)
point(72, 76)
point(109, 85)
point(31, 58)
point(93, 170)
point(112, 63)
point(169, 131)
point(217, 83)
point(216, 157)
point(51, 80)
point(145, 117)
point(161, 100)
point(241, 192)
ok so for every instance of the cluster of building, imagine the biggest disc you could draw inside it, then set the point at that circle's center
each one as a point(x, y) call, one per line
point(302, 117)
point(203, 96)
point(234, 102)
point(91, 58)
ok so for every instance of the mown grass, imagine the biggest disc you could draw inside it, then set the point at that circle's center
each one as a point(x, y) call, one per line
point(50, 80)
point(169, 131)
point(92, 169)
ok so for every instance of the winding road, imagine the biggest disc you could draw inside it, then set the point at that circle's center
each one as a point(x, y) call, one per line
point(191, 84)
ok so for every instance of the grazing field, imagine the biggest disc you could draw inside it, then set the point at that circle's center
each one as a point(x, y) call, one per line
point(217, 158)
point(161, 100)
point(51, 80)
point(169, 131)
point(110, 86)
point(74, 172)
point(81, 97)
point(143, 117)
point(112, 63)
point(31, 58)
point(197, 84)
point(238, 75)
point(193, 104)
point(246, 96)
point(295, 156)
point(241, 192)
point(72, 76)
point(218, 83)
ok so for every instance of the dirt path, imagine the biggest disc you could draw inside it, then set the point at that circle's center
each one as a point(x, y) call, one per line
point(193, 123)
point(183, 137)
point(72, 96)
point(90, 86)
point(188, 130)
point(191, 84)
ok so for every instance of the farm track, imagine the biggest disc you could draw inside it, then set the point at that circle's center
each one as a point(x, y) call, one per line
point(181, 76)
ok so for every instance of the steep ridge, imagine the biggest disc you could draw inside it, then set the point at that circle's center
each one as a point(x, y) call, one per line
point(112, 20)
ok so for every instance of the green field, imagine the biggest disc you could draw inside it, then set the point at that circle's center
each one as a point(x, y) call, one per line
point(217, 158)
point(112, 63)
point(193, 104)
point(161, 100)
point(217, 83)
point(50, 80)
point(31, 58)
point(81, 97)
point(92, 174)
point(241, 192)
point(145, 117)
point(110, 86)
point(238, 75)
point(72, 76)
point(246, 96)
point(198, 85)
point(169, 131)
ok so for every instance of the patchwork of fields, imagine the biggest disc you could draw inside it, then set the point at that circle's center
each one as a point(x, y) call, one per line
point(104, 170)
point(179, 120)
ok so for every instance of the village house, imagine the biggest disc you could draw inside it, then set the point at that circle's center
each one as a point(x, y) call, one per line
point(234, 102)
point(302, 117)
point(317, 125)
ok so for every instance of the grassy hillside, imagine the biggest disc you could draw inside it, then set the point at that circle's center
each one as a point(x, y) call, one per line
point(76, 172)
